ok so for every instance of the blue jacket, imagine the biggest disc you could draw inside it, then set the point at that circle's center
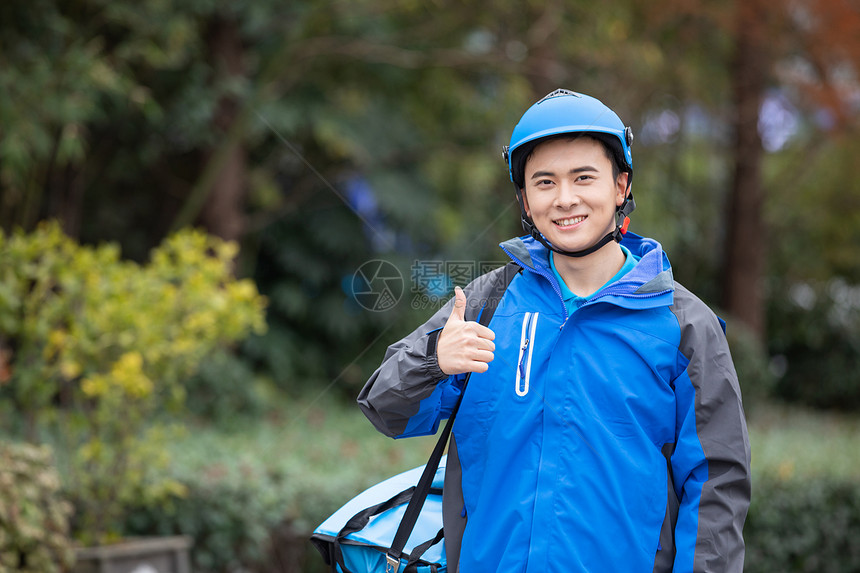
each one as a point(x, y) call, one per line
point(612, 439)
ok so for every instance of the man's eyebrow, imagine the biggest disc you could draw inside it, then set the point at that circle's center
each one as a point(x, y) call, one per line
point(572, 171)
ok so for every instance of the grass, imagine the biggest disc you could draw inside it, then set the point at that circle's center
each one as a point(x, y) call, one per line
point(321, 455)
point(792, 442)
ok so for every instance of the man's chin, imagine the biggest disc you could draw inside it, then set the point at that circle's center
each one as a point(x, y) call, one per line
point(565, 244)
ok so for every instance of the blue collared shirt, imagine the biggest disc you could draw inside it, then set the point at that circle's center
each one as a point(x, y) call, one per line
point(572, 301)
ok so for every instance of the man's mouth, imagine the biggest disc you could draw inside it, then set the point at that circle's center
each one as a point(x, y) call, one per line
point(569, 221)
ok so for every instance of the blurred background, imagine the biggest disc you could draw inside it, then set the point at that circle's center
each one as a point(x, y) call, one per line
point(215, 217)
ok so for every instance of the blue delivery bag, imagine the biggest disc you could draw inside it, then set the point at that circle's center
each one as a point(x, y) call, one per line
point(357, 537)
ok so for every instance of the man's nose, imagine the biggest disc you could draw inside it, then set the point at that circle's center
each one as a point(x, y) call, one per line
point(568, 195)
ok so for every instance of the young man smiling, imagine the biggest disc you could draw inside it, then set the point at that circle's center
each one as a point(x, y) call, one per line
point(602, 428)
point(571, 193)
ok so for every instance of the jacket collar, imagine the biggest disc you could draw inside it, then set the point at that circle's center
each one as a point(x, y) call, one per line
point(652, 276)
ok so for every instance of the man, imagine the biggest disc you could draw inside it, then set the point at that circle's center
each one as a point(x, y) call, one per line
point(602, 427)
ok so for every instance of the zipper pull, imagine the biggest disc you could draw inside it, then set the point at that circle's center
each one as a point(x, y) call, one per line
point(564, 322)
point(523, 359)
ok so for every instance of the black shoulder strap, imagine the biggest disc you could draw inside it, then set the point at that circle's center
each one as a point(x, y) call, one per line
point(491, 296)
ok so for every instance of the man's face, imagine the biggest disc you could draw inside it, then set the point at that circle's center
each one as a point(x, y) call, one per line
point(570, 192)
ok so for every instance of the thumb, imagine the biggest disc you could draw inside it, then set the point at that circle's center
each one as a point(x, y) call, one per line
point(459, 310)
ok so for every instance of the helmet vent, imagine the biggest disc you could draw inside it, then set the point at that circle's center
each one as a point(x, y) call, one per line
point(559, 92)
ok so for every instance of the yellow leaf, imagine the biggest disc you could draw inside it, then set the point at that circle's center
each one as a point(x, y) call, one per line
point(94, 386)
point(70, 369)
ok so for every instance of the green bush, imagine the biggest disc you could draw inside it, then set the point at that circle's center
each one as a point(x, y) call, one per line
point(226, 391)
point(751, 363)
point(98, 347)
point(34, 528)
point(255, 492)
point(803, 525)
point(815, 330)
point(238, 520)
point(229, 514)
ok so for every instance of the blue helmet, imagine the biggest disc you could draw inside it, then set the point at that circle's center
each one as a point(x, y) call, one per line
point(562, 112)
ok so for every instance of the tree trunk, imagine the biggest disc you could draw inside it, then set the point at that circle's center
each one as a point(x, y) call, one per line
point(745, 251)
point(222, 213)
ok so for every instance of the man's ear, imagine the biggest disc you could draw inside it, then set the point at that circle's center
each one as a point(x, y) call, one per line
point(621, 189)
point(525, 202)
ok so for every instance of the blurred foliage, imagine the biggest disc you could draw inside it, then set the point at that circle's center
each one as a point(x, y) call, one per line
point(816, 342)
point(34, 518)
point(752, 364)
point(806, 525)
point(805, 510)
point(265, 483)
point(805, 467)
point(226, 391)
point(96, 347)
point(815, 217)
point(814, 290)
point(230, 518)
point(371, 130)
point(796, 442)
point(76, 95)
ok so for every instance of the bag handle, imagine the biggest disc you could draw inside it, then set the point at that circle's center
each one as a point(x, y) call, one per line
point(360, 520)
point(407, 524)
point(419, 550)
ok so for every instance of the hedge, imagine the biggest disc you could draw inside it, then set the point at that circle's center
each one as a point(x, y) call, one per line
point(804, 525)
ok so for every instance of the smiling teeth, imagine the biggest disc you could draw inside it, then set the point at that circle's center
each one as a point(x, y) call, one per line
point(567, 222)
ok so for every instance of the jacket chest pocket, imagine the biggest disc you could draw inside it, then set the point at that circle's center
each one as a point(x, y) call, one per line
point(524, 361)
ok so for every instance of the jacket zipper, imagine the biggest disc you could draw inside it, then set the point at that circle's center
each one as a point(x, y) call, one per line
point(612, 290)
point(524, 364)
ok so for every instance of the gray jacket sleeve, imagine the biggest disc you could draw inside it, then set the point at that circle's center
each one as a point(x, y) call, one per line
point(715, 491)
point(410, 373)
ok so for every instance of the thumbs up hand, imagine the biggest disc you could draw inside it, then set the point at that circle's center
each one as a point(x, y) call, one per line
point(464, 346)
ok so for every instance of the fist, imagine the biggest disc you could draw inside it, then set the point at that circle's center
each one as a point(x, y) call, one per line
point(464, 346)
